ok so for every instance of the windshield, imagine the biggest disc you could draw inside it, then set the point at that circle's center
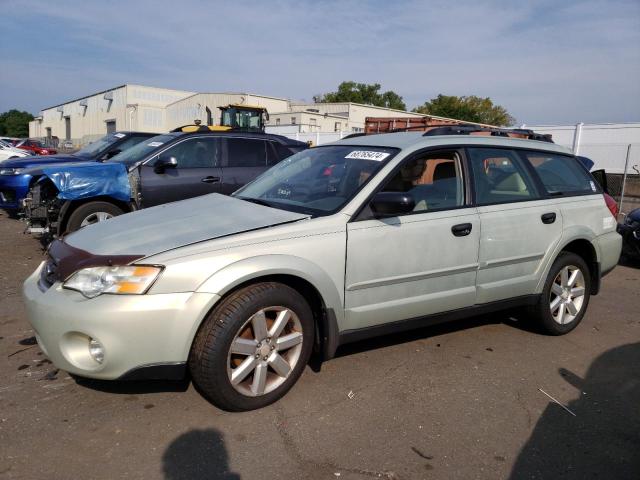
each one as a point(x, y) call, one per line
point(95, 148)
point(318, 181)
point(138, 152)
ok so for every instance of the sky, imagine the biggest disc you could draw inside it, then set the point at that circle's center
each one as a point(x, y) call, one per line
point(546, 62)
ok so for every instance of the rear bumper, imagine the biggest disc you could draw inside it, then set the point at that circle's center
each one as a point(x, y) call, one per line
point(13, 189)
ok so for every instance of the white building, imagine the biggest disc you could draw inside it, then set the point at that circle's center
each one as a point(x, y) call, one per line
point(126, 107)
point(149, 109)
point(346, 117)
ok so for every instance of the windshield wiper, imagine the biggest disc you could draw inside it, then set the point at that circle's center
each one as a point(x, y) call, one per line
point(256, 201)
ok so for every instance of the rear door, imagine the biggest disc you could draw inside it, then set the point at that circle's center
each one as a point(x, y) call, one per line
point(419, 263)
point(519, 226)
point(243, 159)
point(196, 172)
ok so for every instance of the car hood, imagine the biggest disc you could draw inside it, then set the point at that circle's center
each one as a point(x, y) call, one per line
point(165, 227)
point(27, 162)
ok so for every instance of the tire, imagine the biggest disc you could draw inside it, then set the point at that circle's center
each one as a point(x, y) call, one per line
point(84, 214)
point(561, 308)
point(232, 381)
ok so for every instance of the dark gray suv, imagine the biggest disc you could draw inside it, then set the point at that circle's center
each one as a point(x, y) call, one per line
point(162, 169)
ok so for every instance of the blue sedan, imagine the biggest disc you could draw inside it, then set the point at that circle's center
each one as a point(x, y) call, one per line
point(15, 180)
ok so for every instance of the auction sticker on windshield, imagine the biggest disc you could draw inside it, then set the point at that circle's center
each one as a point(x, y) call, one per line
point(154, 144)
point(119, 135)
point(368, 155)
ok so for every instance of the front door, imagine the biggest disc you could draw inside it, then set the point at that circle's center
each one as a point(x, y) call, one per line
point(196, 172)
point(415, 264)
point(518, 227)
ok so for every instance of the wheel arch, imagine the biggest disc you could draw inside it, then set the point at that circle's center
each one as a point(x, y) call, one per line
point(582, 245)
point(308, 279)
point(70, 206)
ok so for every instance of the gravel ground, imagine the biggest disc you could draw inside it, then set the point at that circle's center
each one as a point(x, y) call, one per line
point(464, 400)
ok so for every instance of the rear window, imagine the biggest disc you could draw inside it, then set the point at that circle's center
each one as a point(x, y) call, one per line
point(561, 174)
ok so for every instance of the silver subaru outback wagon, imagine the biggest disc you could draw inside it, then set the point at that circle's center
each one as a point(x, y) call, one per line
point(337, 243)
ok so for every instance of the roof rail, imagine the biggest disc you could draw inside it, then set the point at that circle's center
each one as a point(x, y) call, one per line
point(495, 132)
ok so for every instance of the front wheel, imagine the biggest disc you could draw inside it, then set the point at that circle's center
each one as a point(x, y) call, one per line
point(90, 213)
point(253, 347)
point(565, 296)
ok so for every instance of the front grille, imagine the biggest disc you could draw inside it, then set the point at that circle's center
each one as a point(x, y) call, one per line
point(48, 274)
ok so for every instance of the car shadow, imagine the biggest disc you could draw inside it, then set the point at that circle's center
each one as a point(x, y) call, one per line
point(137, 387)
point(197, 454)
point(602, 440)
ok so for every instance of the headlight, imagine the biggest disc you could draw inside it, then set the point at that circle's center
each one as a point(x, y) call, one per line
point(124, 280)
point(11, 171)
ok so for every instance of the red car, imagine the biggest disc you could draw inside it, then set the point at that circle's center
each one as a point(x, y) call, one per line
point(36, 147)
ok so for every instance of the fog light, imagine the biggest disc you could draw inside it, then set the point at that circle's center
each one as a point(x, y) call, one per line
point(96, 350)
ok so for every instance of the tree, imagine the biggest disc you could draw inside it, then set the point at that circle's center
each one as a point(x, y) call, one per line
point(15, 123)
point(471, 109)
point(368, 94)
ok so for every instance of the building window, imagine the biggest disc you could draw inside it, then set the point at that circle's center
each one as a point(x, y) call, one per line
point(293, 120)
point(277, 121)
point(337, 127)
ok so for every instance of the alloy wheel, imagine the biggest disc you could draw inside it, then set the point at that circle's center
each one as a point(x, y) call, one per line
point(567, 294)
point(95, 218)
point(265, 351)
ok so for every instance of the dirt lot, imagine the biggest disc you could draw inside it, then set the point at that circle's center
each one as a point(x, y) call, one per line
point(460, 401)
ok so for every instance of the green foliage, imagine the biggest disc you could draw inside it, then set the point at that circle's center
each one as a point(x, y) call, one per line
point(368, 94)
point(471, 109)
point(15, 123)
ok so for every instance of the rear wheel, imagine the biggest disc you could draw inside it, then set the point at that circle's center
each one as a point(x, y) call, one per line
point(565, 296)
point(90, 213)
point(253, 347)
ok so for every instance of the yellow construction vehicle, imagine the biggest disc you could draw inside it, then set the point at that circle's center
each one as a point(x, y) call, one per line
point(247, 118)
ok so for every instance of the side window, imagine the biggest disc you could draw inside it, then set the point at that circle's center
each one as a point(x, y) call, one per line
point(195, 153)
point(499, 176)
point(434, 181)
point(561, 174)
point(245, 152)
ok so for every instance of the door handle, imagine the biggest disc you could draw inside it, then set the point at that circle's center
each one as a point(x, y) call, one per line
point(210, 179)
point(461, 230)
point(548, 217)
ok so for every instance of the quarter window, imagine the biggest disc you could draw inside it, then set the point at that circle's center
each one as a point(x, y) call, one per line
point(245, 152)
point(500, 176)
point(434, 182)
point(561, 174)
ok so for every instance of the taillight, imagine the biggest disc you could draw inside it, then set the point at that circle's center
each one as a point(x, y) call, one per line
point(611, 205)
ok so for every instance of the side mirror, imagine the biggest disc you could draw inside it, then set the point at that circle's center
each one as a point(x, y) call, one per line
point(163, 163)
point(392, 203)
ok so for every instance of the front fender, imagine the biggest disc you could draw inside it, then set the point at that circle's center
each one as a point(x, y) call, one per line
point(331, 290)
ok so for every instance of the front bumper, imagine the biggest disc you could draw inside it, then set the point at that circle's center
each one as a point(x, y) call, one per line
point(135, 330)
point(13, 188)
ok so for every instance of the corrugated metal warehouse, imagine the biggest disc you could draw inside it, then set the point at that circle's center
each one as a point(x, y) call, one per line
point(150, 109)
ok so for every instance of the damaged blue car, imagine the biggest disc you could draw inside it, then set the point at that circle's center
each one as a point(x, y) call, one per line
point(15, 179)
point(162, 169)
